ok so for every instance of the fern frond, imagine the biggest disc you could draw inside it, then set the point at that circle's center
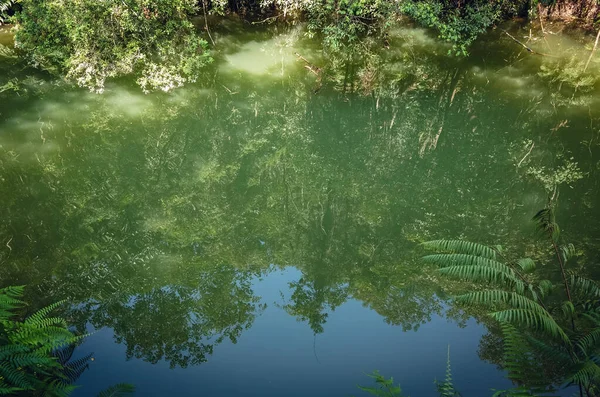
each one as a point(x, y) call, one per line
point(30, 360)
point(59, 389)
point(13, 291)
point(49, 322)
point(54, 337)
point(11, 349)
point(567, 252)
point(461, 247)
point(585, 373)
point(64, 354)
point(589, 341)
point(473, 268)
point(9, 301)
point(52, 345)
point(556, 354)
point(515, 348)
point(494, 297)
point(567, 308)
point(533, 319)
point(526, 264)
point(36, 318)
point(546, 223)
point(9, 391)
point(545, 287)
point(118, 390)
point(446, 388)
point(15, 376)
point(74, 369)
point(584, 285)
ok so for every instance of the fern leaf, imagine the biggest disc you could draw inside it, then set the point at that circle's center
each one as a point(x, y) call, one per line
point(11, 349)
point(584, 285)
point(118, 390)
point(31, 360)
point(13, 291)
point(567, 252)
point(585, 373)
point(74, 369)
point(545, 287)
point(515, 347)
point(526, 264)
point(461, 247)
point(58, 388)
point(589, 341)
point(36, 318)
point(6, 390)
point(533, 319)
point(552, 353)
point(64, 354)
point(567, 308)
point(494, 297)
point(546, 223)
point(446, 388)
point(15, 377)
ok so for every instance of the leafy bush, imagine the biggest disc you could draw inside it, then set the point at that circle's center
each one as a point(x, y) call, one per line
point(27, 361)
point(90, 41)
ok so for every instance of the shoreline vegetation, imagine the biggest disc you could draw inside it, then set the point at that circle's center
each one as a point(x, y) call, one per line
point(157, 43)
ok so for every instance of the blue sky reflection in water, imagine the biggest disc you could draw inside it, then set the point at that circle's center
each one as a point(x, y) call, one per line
point(276, 357)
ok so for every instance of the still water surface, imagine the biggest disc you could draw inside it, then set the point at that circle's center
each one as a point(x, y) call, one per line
point(258, 233)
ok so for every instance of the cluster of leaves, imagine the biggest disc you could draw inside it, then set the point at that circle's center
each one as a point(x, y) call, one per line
point(343, 24)
point(90, 41)
point(457, 22)
point(551, 334)
point(36, 353)
point(26, 347)
point(386, 388)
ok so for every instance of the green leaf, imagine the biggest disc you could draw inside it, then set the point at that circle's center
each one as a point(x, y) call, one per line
point(526, 264)
point(533, 319)
point(118, 390)
point(461, 247)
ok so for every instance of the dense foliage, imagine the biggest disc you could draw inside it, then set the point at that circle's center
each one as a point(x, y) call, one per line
point(26, 349)
point(36, 352)
point(551, 332)
point(155, 41)
point(90, 41)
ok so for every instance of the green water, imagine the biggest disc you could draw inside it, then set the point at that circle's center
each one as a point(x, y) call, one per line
point(182, 223)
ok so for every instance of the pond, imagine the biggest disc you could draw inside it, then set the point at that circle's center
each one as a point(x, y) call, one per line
point(258, 232)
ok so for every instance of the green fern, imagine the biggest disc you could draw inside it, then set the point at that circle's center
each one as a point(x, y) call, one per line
point(446, 388)
point(118, 390)
point(584, 286)
point(461, 247)
point(495, 297)
point(536, 320)
point(546, 223)
point(26, 360)
point(385, 387)
point(475, 268)
point(526, 264)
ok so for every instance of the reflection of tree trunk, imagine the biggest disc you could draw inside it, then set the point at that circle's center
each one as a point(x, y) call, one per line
point(317, 71)
point(592, 53)
point(449, 90)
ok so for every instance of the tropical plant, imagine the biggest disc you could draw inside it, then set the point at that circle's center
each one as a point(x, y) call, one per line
point(446, 388)
point(551, 335)
point(28, 349)
point(384, 387)
point(36, 352)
